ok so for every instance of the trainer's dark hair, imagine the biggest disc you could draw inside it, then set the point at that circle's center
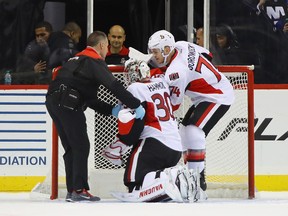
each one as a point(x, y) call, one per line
point(95, 37)
point(46, 25)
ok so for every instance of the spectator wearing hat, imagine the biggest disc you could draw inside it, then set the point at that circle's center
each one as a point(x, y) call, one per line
point(225, 45)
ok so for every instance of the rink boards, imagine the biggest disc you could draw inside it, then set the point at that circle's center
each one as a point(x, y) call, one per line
point(26, 136)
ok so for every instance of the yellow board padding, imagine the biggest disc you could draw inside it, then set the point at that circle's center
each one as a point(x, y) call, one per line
point(262, 182)
point(19, 183)
point(271, 182)
point(227, 178)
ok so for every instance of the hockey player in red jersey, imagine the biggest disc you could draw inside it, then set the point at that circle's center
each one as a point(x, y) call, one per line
point(190, 72)
point(151, 172)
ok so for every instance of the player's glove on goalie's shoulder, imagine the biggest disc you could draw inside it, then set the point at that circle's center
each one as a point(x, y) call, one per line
point(140, 112)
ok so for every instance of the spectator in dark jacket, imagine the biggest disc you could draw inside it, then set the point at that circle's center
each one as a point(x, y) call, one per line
point(32, 66)
point(63, 44)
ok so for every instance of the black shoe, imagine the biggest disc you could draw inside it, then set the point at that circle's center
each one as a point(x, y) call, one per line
point(68, 197)
point(84, 195)
point(203, 184)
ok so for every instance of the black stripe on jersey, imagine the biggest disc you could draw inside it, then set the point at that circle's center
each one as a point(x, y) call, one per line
point(193, 115)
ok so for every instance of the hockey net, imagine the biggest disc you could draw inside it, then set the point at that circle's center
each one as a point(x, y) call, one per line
point(229, 148)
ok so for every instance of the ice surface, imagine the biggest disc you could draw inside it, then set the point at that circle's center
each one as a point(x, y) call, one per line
point(266, 203)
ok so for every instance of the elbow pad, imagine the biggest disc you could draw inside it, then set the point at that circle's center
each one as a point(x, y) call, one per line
point(126, 119)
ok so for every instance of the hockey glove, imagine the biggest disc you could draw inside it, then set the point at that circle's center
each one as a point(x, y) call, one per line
point(140, 112)
point(115, 151)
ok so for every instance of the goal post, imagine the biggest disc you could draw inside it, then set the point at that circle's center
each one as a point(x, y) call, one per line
point(229, 148)
point(250, 120)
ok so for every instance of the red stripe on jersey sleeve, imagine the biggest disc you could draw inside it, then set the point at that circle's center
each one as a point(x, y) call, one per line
point(201, 86)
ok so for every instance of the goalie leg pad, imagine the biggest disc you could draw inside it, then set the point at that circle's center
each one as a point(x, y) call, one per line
point(153, 190)
point(159, 189)
point(187, 182)
point(176, 184)
point(156, 192)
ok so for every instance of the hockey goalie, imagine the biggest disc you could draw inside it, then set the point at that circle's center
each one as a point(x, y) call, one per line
point(151, 172)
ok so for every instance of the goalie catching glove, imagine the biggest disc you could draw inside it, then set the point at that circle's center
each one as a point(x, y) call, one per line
point(115, 151)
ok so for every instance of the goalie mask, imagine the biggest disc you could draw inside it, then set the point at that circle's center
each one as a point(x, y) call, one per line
point(136, 70)
point(160, 40)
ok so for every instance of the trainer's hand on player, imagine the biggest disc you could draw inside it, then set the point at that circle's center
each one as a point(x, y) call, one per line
point(116, 110)
point(140, 112)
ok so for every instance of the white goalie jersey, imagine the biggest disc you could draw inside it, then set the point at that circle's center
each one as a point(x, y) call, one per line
point(191, 74)
point(159, 121)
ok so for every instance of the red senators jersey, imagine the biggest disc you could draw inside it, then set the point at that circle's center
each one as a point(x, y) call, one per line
point(159, 121)
point(191, 74)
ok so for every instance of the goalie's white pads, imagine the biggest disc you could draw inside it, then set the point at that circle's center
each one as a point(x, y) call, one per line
point(176, 184)
point(154, 193)
point(115, 151)
point(161, 190)
point(187, 181)
point(137, 55)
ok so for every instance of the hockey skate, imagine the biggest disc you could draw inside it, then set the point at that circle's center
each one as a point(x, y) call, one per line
point(203, 186)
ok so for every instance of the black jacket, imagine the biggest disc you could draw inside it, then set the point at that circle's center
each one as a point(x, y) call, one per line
point(85, 73)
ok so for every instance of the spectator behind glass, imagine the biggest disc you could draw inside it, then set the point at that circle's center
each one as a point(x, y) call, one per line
point(225, 47)
point(117, 52)
point(282, 25)
point(268, 35)
point(275, 12)
point(285, 28)
point(200, 37)
point(32, 66)
point(63, 44)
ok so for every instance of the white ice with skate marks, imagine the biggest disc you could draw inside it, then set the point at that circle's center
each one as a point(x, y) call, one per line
point(266, 204)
